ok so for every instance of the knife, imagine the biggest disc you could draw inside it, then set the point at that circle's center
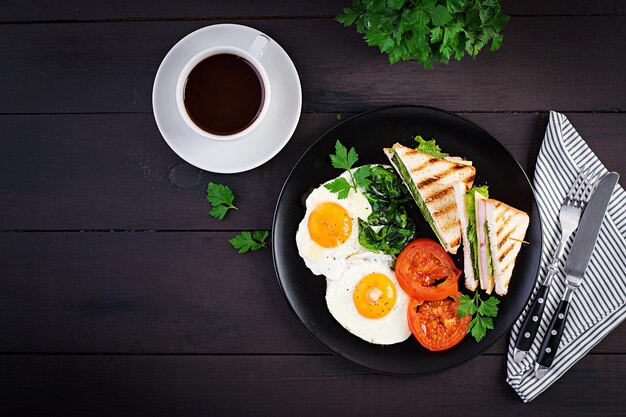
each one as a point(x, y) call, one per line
point(575, 268)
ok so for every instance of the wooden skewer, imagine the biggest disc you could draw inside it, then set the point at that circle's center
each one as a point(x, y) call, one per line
point(522, 241)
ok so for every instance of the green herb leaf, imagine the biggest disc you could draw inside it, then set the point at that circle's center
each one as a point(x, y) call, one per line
point(349, 17)
point(343, 159)
point(489, 307)
point(385, 193)
point(395, 4)
point(428, 31)
point(484, 312)
point(389, 239)
point(466, 306)
point(338, 116)
point(219, 211)
point(429, 147)
point(455, 6)
point(221, 198)
point(478, 327)
point(361, 176)
point(440, 16)
point(246, 241)
point(340, 186)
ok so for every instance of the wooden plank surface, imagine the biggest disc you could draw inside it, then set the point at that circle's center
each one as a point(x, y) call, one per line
point(116, 172)
point(291, 386)
point(46, 10)
point(121, 296)
point(545, 63)
point(151, 292)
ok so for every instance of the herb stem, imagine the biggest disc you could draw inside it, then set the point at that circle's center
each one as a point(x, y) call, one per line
point(353, 180)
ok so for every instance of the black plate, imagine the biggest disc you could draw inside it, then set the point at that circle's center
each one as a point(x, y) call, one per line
point(369, 133)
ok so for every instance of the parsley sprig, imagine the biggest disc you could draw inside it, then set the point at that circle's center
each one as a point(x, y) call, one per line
point(246, 241)
point(221, 198)
point(345, 159)
point(428, 31)
point(484, 312)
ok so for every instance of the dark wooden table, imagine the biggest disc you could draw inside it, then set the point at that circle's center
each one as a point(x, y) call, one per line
point(120, 296)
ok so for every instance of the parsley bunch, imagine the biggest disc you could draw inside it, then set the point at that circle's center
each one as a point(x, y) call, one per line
point(428, 31)
point(484, 312)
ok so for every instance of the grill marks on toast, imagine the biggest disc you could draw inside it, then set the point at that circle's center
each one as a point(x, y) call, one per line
point(505, 252)
point(434, 179)
point(423, 164)
point(443, 174)
point(436, 195)
point(443, 210)
point(440, 172)
point(502, 240)
point(510, 223)
point(446, 209)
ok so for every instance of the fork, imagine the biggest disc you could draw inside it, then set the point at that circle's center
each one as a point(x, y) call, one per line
point(569, 217)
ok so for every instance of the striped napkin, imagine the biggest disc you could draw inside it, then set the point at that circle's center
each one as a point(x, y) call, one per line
point(599, 305)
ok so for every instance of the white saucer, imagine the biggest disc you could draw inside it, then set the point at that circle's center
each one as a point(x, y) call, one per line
point(256, 147)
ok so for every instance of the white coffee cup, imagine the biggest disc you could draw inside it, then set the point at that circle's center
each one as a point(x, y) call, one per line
point(253, 55)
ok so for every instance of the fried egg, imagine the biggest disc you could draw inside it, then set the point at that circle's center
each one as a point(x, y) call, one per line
point(328, 233)
point(367, 300)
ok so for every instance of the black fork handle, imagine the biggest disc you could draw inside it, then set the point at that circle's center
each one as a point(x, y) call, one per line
point(528, 331)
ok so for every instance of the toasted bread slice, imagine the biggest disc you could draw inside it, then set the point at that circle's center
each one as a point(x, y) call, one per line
point(507, 228)
point(459, 160)
point(431, 182)
point(442, 205)
point(429, 172)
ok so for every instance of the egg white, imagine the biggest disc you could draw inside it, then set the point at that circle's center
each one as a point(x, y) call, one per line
point(389, 329)
point(331, 262)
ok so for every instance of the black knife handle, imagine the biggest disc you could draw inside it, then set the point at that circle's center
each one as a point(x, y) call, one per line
point(552, 338)
point(529, 329)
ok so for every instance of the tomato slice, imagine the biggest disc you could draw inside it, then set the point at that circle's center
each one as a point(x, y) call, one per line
point(435, 324)
point(426, 271)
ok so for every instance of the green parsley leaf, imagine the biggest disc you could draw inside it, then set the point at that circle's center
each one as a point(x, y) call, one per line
point(466, 306)
point(338, 116)
point(219, 211)
point(349, 17)
point(427, 31)
point(221, 198)
point(361, 176)
point(395, 4)
point(455, 5)
point(440, 16)
point(478, 327)
point(246, 241)
point(429, 147)
point(343, 159)
point(340, 186)
point(489, 307)
point(484, 312)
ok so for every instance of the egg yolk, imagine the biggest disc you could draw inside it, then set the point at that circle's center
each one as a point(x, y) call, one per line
point(329, 225)
point(374, 296)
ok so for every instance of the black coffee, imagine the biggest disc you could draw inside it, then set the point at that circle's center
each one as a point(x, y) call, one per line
point(224, 94)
